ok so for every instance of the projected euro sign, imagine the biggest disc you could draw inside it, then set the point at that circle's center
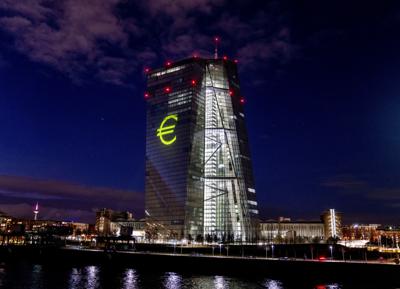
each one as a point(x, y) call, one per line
point(166, 130)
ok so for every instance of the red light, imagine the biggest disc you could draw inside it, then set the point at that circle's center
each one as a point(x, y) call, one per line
point(146, 95)
point(168, 63)
point(167, 89)
point(225, 57)
point(230, 92)
point(193, 82)
point(236, 61)
point(216, 39)
point(195, 56)
point(146, 70)
point(322, 258)
point(242, 100)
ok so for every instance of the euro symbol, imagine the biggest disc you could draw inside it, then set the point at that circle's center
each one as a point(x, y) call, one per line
point(166, 130)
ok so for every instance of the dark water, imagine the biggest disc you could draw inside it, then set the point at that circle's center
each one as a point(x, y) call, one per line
point(35, 276)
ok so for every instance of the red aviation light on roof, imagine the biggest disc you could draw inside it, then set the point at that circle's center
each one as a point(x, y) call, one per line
point(225, 57)
point(146, 70)
point(168, 63)
point(193, 82)
point(236, 61)
point(216, 38)
point(242, 100)
point(146, 95)
point(195, 55)
point(167, 89)
point(230, 92)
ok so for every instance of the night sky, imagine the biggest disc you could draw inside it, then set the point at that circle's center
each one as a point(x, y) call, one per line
point(321, 80)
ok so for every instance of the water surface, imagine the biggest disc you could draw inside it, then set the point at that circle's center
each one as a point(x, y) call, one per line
point(17, 275)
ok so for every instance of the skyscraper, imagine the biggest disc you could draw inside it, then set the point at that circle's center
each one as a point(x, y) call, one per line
point(36, 211)
point(332, 223)
point(199, 180)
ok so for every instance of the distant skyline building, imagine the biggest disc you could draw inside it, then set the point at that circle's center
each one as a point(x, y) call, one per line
point(199, 179)
point(36, 212)
point(333, 223)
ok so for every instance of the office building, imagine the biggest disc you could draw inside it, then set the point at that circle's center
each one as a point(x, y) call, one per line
point(199, 180)
point(333, 224)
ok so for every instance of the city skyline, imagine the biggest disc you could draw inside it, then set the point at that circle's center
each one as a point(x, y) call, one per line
point(320, 84)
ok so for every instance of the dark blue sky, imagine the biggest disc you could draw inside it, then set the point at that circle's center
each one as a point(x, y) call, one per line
point(321, 79)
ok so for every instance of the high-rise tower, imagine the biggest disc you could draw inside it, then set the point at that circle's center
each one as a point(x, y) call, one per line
point(199, 180)
point(36, 211)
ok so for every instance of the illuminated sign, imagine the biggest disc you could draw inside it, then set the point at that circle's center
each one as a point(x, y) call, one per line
point(167, 130)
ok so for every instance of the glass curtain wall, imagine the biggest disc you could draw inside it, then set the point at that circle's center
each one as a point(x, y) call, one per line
point(226, 216)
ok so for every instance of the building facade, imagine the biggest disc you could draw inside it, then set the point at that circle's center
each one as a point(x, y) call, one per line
point(105, 218)
point(129, 228)
point(360, 232)
point(333, 224)
point(199, 180)
point(287, 231)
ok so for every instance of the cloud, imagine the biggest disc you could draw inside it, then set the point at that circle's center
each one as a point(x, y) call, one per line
point(53, 188)
point(72, 36)
point(385, 194)
point(278, 47)
point(350, 185)
point(67, 197)
point(179, 8)
point(110, 40)
point(346, 182)
point(186, 45)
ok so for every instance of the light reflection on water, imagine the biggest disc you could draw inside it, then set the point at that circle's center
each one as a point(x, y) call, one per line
point(75, 279)
point(220, 283)
point(92, 273)
point(130, 279)
point(273, 284)
point(173, 281)
point(96, 277)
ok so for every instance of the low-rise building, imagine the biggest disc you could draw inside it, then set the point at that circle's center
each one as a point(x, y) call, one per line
point(367, 232)
point(286, 231)
point(129, 228)
point(115, 223)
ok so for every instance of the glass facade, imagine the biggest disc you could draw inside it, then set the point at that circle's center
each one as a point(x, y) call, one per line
point(199, 180)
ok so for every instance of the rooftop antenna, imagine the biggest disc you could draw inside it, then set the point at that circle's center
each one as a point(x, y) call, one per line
point(36, 211)
point(216, 41)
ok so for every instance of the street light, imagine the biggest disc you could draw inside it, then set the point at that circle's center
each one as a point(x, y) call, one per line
point(272, 247)
point(331, 248)
point(220, 249)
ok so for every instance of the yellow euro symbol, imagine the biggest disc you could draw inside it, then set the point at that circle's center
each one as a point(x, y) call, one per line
point(165, 130)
